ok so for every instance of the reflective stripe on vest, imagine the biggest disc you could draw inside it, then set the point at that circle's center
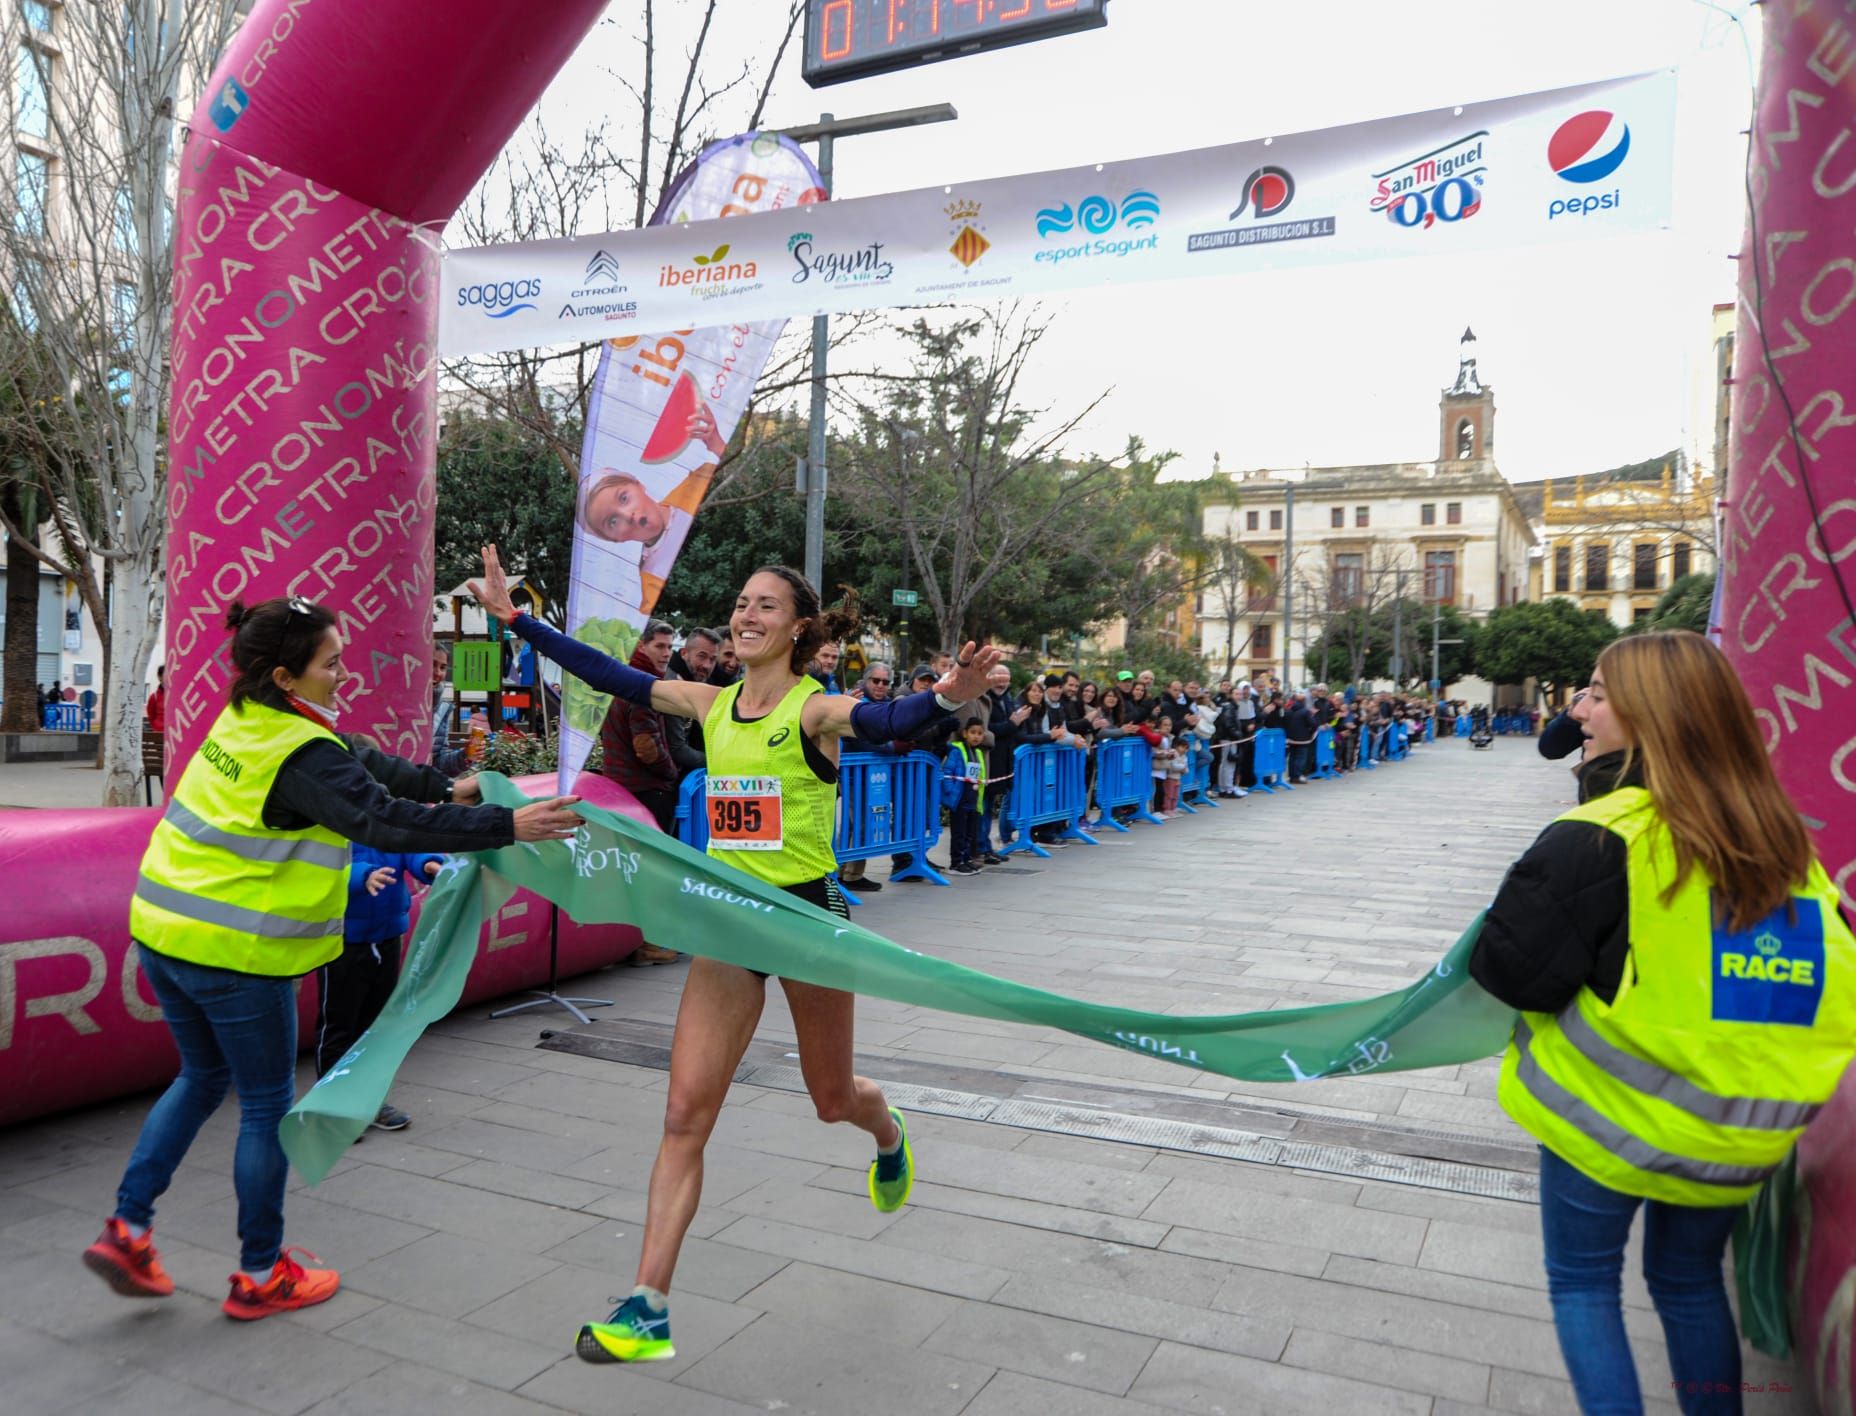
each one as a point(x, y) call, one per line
point(237, 917)
point(1751, 1113)
point(1589, 1122)
point(273, 849)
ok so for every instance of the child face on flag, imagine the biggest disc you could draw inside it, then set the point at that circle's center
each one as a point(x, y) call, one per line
point(616, 507)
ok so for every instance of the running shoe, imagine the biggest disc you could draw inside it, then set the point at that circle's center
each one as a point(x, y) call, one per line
point(289, 1287)
point(966, 868)
point(390, 1118)
point(892, 1176)
point(634, 1333)
point(128, 1265)
point(992, 858)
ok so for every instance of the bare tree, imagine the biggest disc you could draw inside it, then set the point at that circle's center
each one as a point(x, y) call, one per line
point(977, 489)
point(87, 240)
point(1235, 578)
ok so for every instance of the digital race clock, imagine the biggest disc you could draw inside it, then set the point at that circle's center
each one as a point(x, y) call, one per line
point(852, 39)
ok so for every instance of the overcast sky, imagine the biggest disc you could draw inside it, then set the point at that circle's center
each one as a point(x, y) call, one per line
point(1593, 349)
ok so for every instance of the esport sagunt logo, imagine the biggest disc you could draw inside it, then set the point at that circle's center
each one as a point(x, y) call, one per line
point(1097, 216)
point(1588, 147)
point(499, 299)
point(1444, 184)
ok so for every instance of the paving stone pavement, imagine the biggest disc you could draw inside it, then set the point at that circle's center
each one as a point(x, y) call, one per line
point(1030, 1270)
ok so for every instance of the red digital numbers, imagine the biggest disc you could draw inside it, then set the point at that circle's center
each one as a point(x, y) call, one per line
point(839, 11)
point(1024, 8)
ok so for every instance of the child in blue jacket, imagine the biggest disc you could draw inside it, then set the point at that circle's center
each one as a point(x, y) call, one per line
point(354, 988)
point(966, 764)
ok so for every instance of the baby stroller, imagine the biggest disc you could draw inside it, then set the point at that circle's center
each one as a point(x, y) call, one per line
point(1480, 734)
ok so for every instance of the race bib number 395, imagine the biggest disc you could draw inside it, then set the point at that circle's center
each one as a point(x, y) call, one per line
point(744, 813)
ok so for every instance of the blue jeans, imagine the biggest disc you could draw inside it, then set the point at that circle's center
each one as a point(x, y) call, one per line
point(232, 1029)
point(1585, 1225)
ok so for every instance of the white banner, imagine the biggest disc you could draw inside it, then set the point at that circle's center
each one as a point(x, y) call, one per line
point(1563, 165)
point(662, 410)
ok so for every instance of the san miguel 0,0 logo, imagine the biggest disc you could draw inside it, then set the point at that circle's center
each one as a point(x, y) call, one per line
point(1444, 184)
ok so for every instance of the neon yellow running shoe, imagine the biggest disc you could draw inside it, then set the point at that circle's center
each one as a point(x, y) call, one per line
point(632, 1334)
point(892, 1176)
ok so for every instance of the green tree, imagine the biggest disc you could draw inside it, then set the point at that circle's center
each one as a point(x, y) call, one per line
point(1684, 605)
point(1366, 636)
point(501, 483)
point(1551, 641)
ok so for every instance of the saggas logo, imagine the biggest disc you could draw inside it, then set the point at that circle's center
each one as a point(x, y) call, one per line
point(501, 298)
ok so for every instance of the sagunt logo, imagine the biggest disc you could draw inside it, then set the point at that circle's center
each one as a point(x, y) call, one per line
point(711, 891)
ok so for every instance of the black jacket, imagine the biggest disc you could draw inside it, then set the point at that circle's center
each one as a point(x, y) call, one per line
point(1561, 738)
point(1561, 919)
point(1005, 736)
point(1299, 725)
point(373, 797)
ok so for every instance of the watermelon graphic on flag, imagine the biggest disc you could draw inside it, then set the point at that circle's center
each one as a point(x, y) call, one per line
point(663, 408)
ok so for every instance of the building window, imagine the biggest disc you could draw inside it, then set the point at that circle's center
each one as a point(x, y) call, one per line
point(1683, 563)
point(1250, 521)
point(1465, 440)
point(1263, 642)
point(1276, 518)
point(1262, 596)
point(1453, 513)
point(1643, 566)
point(1362, 515)
point(38, 16)
point(1427, 514)
point(1598, 567)
point(1562, 569)
point(32, 108)
point(1640, 612)
point(1337, 516)
point(1440, 576)
point(31, 176)
point(1347, 584)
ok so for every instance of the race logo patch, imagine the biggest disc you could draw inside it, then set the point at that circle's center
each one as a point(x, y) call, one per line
point(1773, 972)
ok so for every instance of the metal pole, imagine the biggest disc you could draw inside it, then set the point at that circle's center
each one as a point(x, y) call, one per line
point(1398, 628)
point(1285, 580)
point(815, 448)
point(1437, 629)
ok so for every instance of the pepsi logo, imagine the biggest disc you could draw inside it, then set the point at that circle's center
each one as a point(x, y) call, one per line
point(1589, 146)
point(1267, 191)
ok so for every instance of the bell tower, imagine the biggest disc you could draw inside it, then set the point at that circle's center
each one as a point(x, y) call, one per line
point(1466, 412)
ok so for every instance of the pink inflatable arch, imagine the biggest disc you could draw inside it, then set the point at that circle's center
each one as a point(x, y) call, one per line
point(1790, 552)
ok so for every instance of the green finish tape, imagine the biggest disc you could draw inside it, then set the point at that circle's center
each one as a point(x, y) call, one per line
point(620, 872)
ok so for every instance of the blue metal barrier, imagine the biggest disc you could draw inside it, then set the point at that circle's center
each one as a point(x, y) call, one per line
point(1271, 767)
point(1462, 725)
point(1325, 765)
point(886, 806)
point(1198, 779)
point(1368, 742)
point(1125, 777)
point(1047, 789)
point(1430, 728)
point(1398, 742)
point(68, 718)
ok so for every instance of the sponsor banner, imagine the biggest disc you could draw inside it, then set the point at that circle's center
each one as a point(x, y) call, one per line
point(664, 404)
point(1566, 164)
point(618, 870)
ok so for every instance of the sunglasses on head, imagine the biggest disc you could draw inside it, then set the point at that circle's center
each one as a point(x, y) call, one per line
point(298, 605)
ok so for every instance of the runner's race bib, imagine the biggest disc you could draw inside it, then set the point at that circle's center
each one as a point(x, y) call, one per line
point(744, 814)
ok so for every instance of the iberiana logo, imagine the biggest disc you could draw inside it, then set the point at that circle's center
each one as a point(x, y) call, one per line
point(502, 298)
point(1589, 147)
point(1097, 216)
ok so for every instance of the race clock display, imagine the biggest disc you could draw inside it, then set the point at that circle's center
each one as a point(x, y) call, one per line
point(852, 39)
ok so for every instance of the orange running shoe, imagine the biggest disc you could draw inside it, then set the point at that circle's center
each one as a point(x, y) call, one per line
point(128, 1265)
point(289, 1286)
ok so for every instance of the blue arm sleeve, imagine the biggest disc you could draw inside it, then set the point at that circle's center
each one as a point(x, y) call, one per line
point(895, 717)
point(596, 670)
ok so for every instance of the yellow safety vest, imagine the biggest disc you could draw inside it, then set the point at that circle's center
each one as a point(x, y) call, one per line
point(218, 887)
point(1694, 1082)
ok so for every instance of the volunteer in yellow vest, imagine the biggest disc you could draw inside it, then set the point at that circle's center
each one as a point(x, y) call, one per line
point(242, 891)
point(1688, 996)
point(772, 742)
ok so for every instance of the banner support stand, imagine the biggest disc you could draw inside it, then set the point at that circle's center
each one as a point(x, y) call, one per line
point(552, 994)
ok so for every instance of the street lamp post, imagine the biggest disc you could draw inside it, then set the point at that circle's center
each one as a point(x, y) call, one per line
point(823, 132)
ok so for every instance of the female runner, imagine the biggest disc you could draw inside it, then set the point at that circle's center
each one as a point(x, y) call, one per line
point(777, 729)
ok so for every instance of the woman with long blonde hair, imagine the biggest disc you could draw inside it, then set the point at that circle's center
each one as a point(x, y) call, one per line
point(1688, 994)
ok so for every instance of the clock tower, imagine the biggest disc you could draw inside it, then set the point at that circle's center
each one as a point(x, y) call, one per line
point(1466, 413)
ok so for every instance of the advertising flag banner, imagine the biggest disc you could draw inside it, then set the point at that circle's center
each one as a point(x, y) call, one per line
point(616, 870)
point(663, 406)
point(1595, 160)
